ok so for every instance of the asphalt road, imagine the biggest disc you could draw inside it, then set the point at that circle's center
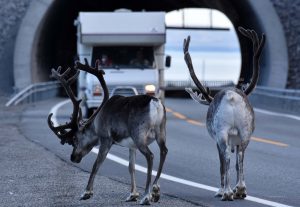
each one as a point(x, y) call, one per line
point(271, 162)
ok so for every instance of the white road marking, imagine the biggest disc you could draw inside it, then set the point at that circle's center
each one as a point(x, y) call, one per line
point(277, 114)
point(54, 110)
point(140, 168)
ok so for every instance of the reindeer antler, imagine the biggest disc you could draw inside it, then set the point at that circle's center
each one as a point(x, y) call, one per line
point(257, 50)
point(99, 74)
point(188, 61)
point(61, 130)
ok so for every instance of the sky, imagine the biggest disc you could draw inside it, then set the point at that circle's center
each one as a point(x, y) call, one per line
point(215, 53)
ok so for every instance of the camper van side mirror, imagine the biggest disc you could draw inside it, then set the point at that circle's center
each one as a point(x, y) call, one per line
point(168, 61)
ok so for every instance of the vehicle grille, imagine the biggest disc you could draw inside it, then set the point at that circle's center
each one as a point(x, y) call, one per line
point(126, 91)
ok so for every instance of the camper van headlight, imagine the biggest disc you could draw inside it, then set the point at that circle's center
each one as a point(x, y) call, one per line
point(150, 89)
point(97, 90)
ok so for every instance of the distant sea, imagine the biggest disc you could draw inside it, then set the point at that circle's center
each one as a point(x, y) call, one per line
point(215, 55)
point(211, 65)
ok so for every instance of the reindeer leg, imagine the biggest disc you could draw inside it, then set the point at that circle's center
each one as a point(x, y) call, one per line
point(104, 149)
point(225, 153)
point(149, 157)
point(133, 193)
point(237, 164)
point(163, 153)
point(156, 187)
point(240, 188)
point(222, 173)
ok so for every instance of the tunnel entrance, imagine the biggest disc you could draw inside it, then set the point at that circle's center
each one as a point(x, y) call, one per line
point(55, 36)
point(56, 41)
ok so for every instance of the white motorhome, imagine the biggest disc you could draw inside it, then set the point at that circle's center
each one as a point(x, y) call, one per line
point(130, 47)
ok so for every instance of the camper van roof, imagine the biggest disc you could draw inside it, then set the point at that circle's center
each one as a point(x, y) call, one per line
point(97, 27)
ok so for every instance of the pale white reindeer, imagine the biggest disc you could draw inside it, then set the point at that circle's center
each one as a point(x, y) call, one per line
point(230, 118)
point(133, 122)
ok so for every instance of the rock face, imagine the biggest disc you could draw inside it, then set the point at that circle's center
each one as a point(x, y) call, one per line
point(289, 14)
point(11, 13)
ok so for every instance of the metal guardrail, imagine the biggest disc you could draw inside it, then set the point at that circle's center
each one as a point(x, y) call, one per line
point(279, 93)
point(181, 85)
point(34, 92)
point(283, 100)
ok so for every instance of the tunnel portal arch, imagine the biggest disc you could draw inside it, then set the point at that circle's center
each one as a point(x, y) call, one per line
point(47, 37)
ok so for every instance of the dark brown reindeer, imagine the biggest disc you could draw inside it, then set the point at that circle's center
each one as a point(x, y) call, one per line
point(133, 122)
point(230, 118)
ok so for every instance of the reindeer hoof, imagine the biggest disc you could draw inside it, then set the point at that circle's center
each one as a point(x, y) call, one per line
point(132, 197)
point(86, 195)
point(155, 193)
point(145, 200)
point(240, 192)
point(227, 196)
point(219, 193)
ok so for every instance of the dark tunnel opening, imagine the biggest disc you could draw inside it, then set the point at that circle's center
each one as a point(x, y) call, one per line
point(56, 39)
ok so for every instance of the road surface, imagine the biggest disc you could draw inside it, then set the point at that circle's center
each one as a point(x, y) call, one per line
point(191, 172)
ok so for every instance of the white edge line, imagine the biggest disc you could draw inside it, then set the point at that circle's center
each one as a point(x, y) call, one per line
point(165, 176)
point(277, 114)
point(54, 110)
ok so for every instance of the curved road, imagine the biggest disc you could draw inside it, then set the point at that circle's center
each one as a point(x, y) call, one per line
point(191, 171)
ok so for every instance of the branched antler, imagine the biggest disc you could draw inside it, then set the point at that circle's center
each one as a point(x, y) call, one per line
point(188, 60)
point(257, 50)
point(99, 74)
point(248, 88)
point(197, 97)
point(61, 130)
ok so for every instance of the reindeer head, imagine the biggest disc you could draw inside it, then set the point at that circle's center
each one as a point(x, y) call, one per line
point(78, 132)
point(84, 141)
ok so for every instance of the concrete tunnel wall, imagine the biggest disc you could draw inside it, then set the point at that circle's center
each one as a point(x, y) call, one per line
point(47, 37)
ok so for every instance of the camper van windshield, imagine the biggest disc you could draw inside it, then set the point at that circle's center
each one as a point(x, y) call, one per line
point(124, 57)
